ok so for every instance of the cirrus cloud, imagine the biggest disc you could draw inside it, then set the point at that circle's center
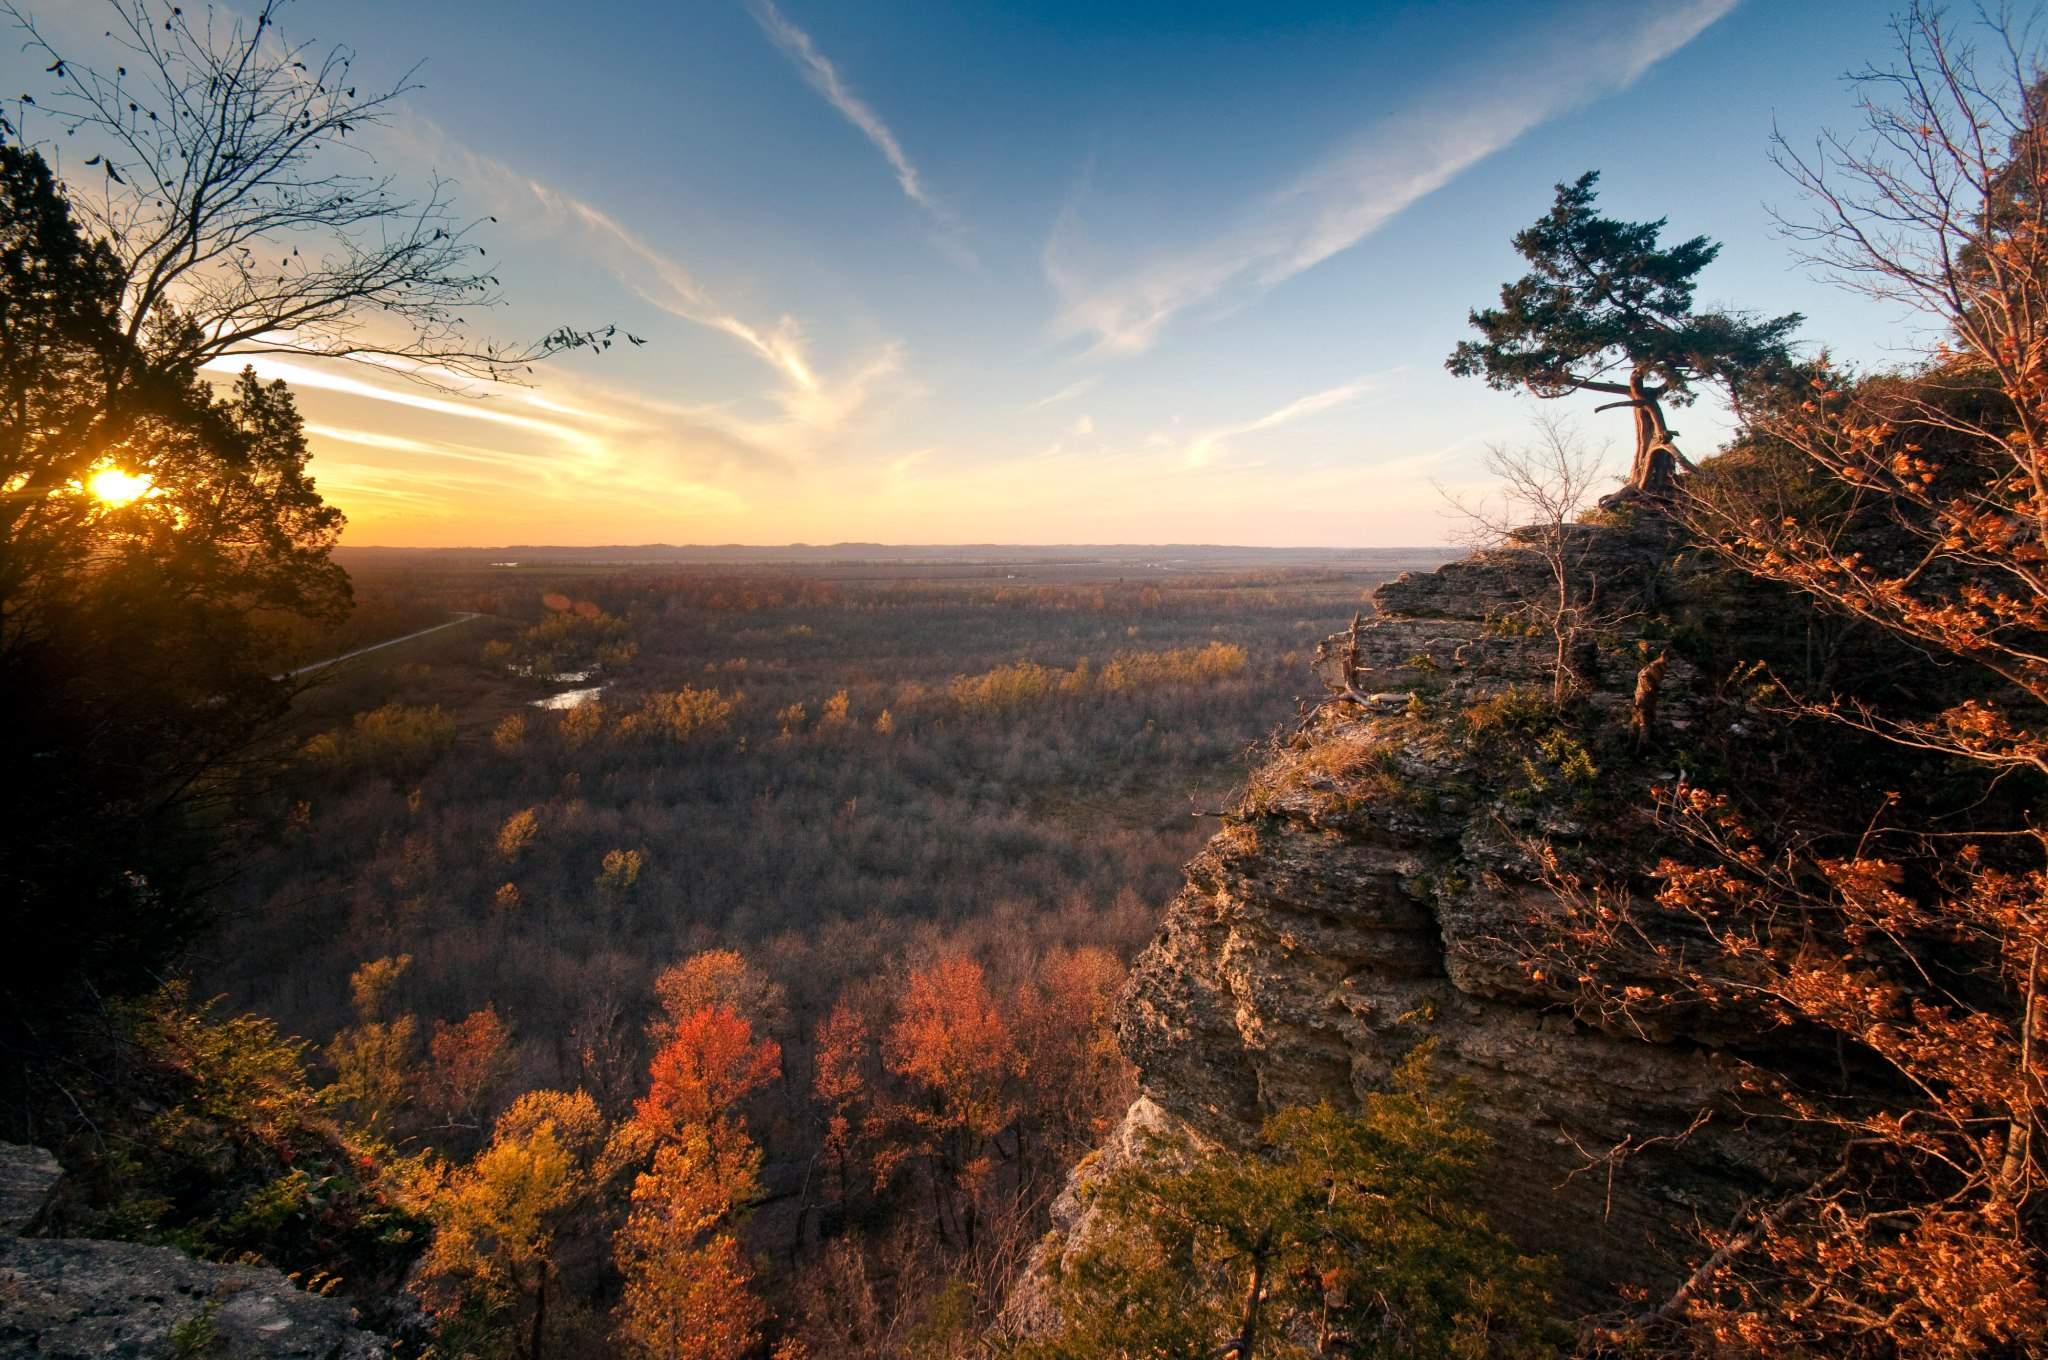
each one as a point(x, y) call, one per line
point(1352, 192)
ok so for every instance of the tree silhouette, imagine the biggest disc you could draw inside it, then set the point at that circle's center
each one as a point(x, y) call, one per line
point(225, 180)
point(1609, 310)
point(137, 629)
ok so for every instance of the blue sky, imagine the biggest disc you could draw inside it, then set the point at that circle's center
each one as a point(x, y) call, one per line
point(1060, 272)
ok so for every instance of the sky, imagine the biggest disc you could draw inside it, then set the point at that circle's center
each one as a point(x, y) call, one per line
point(1063, 272)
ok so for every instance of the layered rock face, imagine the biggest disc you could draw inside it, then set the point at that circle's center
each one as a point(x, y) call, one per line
point(76, 1298)
point(1365, 898)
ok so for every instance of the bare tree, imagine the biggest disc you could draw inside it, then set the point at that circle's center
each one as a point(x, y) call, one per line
point(215, 159)
point(1542, 486)
point(1934, 525)
point(1938, 203)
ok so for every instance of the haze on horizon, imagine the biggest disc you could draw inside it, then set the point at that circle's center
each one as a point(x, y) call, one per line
point(1056, 274)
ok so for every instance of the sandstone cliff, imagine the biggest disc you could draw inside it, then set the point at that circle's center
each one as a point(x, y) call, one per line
point(1365, 896)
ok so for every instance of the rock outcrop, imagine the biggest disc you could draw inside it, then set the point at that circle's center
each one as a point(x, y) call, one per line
point(88, 1298)
point(1364, 898)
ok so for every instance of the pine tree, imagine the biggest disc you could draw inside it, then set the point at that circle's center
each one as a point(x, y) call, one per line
point(1610, 310)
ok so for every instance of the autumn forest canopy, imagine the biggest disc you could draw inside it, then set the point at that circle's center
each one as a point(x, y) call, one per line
point(1618, 935)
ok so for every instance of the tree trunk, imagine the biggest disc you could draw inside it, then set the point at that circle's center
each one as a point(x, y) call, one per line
point(1254, 1294)
point(540, 1316)
point(2019, 1132)
point(1656, 462)
point(1643, 715)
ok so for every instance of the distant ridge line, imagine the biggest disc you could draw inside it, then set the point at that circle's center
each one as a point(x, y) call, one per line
point(1022, 551)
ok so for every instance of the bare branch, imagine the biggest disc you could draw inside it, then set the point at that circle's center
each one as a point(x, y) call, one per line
point(225, 166)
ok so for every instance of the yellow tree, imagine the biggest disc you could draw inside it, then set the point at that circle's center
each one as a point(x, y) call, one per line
point(509, 736)
point(518, 832)
point(688, 1292)
point(496, 1218)
point(713, 978)
point(373, 1059)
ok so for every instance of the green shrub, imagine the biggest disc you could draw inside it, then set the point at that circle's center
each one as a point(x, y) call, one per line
point(212, 1139)
point(1360, 1226)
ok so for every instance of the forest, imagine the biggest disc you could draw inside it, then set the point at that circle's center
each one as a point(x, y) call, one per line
point(871, 810)
point(1022, 953)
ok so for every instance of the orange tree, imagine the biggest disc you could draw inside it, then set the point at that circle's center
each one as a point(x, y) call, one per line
point(843, 1083)
point(709, 1065)
point(687, 1283)
point(958, 1053)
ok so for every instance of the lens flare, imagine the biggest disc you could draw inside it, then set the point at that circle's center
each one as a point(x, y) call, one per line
point(115, 487)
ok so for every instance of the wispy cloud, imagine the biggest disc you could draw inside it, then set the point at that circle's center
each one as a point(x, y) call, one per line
point(321, 378)
point(814, 404)
point(661, 467)
point(651, 275)
point(1351, 193)
point(1073, 389)
point(1207, 447)
point(659, 280)
point(824, 77)
point(393, 443)
point(900, 468)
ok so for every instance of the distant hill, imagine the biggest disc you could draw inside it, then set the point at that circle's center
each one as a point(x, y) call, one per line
point(1156, 556)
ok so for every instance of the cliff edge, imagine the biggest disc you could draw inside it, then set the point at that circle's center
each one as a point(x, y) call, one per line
point(1367, 893)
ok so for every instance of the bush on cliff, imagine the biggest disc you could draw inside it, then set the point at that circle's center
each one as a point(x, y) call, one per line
point(1345, 1234)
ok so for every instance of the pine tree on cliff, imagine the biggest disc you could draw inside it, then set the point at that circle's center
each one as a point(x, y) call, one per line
point(1609, 310)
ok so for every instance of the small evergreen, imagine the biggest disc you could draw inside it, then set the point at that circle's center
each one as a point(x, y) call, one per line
point(1341, 1234)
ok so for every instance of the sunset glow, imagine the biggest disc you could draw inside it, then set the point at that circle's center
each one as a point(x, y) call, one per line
point(905, 279)
point(1033, 681)
point(112, 486)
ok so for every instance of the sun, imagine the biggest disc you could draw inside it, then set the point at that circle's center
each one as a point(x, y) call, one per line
point(115, 487)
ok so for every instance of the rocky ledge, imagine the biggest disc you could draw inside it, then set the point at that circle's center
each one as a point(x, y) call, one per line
point(1363, 899)
point(87, 1298)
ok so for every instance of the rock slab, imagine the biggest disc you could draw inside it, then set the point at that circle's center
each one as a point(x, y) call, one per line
point(84, 1299)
